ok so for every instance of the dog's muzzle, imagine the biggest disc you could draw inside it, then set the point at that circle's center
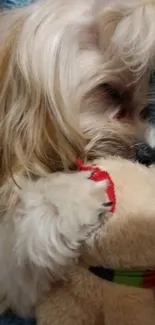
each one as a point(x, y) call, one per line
point(144, 154)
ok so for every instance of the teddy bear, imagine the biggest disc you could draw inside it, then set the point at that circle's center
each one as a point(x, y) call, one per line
point(113, 281)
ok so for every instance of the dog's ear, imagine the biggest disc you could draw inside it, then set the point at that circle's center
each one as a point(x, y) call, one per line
point(9, 32)
point(8, 40)
point(19, 129)
point(33, 121)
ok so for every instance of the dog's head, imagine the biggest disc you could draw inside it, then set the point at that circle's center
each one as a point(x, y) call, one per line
point(70, 81)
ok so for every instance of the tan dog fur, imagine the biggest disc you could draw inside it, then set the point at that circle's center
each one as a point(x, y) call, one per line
point(125, 241)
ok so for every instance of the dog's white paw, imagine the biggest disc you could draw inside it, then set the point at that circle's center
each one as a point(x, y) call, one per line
point(79, 202)
point(58, 213)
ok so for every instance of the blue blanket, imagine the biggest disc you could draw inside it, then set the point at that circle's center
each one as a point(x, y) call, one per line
point(14, 3)
point(14, 320)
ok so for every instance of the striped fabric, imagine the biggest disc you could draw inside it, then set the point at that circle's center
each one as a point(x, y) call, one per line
point(139, 279)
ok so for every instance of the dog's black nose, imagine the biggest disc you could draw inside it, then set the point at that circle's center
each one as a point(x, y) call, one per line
point(144, 154)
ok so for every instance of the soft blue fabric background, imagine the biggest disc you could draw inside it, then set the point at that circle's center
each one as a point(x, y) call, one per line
point(13, 320)
point(14, 3)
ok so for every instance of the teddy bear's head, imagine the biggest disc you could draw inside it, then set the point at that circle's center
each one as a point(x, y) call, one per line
point(126, 239)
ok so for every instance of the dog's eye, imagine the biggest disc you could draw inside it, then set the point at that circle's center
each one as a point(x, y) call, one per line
point(112, 92)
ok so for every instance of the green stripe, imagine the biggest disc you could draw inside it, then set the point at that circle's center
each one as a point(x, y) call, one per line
point(133, 278)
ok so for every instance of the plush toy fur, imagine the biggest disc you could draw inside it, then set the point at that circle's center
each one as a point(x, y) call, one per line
point(125, 241)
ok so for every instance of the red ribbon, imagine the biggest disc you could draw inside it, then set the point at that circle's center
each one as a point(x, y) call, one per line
point(99, 175)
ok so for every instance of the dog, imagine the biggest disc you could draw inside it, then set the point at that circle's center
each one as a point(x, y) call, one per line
point(73, 83)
